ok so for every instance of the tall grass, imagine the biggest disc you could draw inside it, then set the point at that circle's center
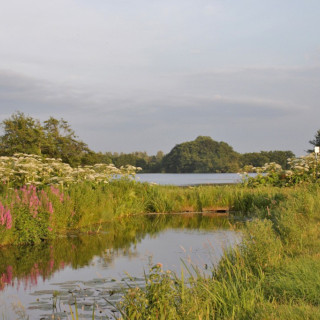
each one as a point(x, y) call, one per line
point(51, 210)
point(273, 274)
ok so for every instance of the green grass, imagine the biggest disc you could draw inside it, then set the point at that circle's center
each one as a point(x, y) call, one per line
point(87, 204)
point(273, 274)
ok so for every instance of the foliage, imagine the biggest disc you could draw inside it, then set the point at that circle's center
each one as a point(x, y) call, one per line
point(301, 170)
point(315, 142)
point(259, 159)
point(35, 202)
point(187, 157)
point(138, 159)
point(80, 197)
point(273, 274)
point(54, 139)
point(29, 216)
point(201, 155)
point(71, 205)
point(21, 134)
point(60, 141)
point(24, 169)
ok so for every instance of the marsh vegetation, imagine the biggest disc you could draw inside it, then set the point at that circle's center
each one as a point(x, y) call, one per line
point(273, 273)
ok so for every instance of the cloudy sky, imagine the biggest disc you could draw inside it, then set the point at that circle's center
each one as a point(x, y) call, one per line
point(148, 74)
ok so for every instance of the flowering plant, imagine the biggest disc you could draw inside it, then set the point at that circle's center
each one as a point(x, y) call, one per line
point(25, 169)
point(301, 169)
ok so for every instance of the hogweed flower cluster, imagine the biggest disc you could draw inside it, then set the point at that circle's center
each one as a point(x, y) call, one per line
point(300, 169)
point(25, 169)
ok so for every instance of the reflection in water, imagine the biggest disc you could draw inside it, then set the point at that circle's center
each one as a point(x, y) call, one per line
point(96, 262)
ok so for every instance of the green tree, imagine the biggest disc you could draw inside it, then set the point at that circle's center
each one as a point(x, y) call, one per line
point(315, 142)
point(91, 158)
point(54, 139)
point(138, 159)
point(155, 162)
point(259, 159)
point(256, 159)
point(124, 159)
point(280, 157)
point(21, 134)
point(61, 142)
point(201, 155)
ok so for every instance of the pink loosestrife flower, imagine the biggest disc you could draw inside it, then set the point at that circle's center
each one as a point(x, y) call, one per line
point(8, 219)
point(18, 199)
point(50, 207)
point(57, 192)
point(5, 216)
point(29, 196)
point(34, 199)
point(2, 210)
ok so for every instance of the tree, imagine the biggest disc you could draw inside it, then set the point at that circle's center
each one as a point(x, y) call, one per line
point(61, 142)
point(256, 159)
point(280, 157)
point(259, 159)
point(21, 134)
point(92, 158)
point(54, 139)
point(201, 155)
point(315, 142)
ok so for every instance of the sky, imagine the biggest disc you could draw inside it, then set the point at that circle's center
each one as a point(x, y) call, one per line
point(145, 75)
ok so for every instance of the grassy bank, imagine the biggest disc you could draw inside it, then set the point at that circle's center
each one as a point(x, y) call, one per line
point(273, 274)
point(32, 214)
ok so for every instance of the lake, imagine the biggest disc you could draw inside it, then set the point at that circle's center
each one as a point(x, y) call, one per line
point(186, 179)
point(43, 281)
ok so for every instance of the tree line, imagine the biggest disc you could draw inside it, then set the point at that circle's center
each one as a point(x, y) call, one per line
point(56, 139)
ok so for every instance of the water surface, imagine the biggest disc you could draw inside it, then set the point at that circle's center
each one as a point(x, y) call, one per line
point(186, 179)
point(46, 279)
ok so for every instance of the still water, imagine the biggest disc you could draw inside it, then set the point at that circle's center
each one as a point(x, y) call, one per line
point(43, 281)
point(185, 179)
